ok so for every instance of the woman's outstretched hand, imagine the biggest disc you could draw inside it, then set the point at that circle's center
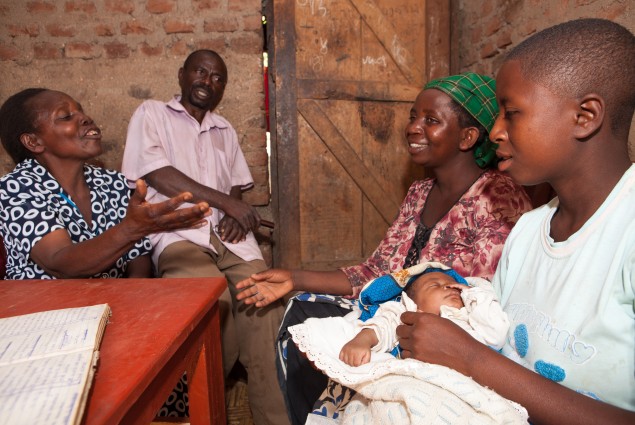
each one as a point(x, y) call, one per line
point(433, 339)
point(144, 218)
point(261, 289)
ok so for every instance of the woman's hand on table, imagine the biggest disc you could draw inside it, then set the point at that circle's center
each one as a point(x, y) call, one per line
point(143, 218)
point(261, 289)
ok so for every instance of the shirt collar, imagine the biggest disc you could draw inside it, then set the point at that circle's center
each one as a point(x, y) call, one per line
point(211, 119)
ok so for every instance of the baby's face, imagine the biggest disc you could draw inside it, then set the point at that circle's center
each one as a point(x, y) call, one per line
point(432, 290)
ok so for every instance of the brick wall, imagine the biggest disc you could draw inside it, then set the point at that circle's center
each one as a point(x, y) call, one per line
point(484, 30)
point(112, 54)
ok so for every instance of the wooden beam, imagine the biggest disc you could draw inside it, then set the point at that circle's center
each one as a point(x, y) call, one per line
point(284, 163)
point(357, 90)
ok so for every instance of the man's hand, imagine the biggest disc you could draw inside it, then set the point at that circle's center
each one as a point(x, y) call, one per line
point(243, 213)
point(230, 231)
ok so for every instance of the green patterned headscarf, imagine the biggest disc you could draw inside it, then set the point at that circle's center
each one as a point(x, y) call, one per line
point(476, 94)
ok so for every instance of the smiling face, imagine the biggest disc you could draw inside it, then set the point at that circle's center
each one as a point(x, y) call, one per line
point(63, 130)
point(433, 132)
point(533, 130)
point(432, 290)
point(202, 80)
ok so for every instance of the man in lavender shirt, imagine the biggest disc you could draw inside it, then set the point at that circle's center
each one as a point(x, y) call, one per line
point(182, 145)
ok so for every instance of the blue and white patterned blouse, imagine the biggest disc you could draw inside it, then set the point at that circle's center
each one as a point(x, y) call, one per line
point(33, 204)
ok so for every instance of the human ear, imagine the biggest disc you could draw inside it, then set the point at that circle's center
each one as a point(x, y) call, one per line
point(469, 136)
point(31, 142)
point(590, 116)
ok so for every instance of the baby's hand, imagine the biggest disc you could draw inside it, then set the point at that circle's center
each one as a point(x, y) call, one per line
point(355, 353)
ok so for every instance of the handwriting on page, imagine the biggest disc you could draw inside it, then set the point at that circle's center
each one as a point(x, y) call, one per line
point(45, 362)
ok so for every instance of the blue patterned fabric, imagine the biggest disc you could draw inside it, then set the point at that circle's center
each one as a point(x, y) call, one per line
point(390, 286)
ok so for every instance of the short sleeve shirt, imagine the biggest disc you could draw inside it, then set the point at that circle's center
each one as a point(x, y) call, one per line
point(164, 134)
point(33, 204)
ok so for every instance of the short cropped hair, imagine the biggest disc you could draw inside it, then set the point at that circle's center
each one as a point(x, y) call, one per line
point(202, 51)
point(584, 56)
point(17, 118)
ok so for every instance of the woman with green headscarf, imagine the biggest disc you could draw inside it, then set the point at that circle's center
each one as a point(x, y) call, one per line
point(460, 216)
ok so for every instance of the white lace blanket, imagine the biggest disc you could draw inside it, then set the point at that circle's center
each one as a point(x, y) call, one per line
point(396, 391)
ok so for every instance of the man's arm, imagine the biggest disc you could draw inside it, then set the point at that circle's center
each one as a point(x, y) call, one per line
point(169, 181)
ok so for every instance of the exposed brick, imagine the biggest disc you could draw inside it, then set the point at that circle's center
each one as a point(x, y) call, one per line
point(32, 30)
point(87, 7)
point(217, 44)
point(260, 175)
point(175, 27)
point(493, 26)
point(47, 51)
point(9, 52)
point(476, 35)
point(488, 50)
point(135, 27)
point(81, 51)
point(179, 48)
point(104, 30)
point(148, 50)
point(247, 42)
point(209, 4)
point(160, 6)
point(527, 28)
point(616, 11)
point(503, 40)
point(58, 30)
point(252, 140)
point(257, 196)
point(120, 6)
point(486, 7)
point(40, 7)
point(241, 5)
point(221, 24)
point(255, 158)
point(116, 50)
point(252, 23)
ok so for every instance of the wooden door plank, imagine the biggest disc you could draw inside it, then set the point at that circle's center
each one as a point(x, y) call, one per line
point(389, 38)
point(362, 176)
point(356, 90)
point(285, 168)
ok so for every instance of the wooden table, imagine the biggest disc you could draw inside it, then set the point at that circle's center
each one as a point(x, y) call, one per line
point(159, 328)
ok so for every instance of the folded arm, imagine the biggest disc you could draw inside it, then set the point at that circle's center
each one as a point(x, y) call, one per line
point(169, 181)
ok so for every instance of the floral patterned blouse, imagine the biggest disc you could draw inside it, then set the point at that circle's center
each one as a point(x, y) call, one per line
point(469, 238)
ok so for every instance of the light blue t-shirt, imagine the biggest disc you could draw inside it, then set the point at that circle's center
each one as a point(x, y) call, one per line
point(571, 304)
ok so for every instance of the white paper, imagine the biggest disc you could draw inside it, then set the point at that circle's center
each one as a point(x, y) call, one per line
point(45, 362)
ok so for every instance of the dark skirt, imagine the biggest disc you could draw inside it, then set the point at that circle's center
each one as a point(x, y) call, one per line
point(300, 382)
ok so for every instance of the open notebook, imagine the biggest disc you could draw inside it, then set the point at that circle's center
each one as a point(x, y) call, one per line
point(47, 363)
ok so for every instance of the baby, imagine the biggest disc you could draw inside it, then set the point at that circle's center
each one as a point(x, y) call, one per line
point(429, 288)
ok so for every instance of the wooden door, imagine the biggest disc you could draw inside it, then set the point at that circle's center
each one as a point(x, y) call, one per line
point(344, 74)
